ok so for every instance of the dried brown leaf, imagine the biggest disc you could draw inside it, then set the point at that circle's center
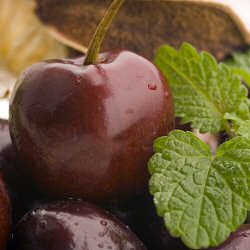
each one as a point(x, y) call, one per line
point(24, 40)
point(143, 26)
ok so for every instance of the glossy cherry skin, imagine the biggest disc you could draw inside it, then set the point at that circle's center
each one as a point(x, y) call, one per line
point(5, 214)
point(73, 225)
point(5, 206)
point(4, 134)
point(23, 195)
point(239, 240)
point(88, 131)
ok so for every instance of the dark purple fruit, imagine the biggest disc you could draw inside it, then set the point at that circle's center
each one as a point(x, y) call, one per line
point(88, 131)
point(4, 134)
point(140, 215)
point(73, 225)
point(22, 194)
point(5, 215)
point(240, 240)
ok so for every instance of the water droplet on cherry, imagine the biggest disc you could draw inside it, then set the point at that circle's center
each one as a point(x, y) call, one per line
point(152, 86)
point(78, 79)
point(104, 223)
point(43, 224)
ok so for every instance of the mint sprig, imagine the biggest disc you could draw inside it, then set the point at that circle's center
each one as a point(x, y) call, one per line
point(201, 197)
point(204, 91)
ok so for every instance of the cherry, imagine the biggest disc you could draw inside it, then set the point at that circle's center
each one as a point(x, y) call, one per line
point(4, 134)
point(23, 195)
point(5, 215)
point(87, 130)
point(73, 225)
point(239, 240)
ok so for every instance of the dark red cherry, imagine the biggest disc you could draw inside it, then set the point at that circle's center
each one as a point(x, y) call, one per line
point(88, 131)
point(239, 240)
point(5, 214)
point(4, 134)
point(73, 225)
point(22, 194)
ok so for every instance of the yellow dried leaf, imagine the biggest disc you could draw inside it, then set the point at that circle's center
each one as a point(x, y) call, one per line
point(24, 40)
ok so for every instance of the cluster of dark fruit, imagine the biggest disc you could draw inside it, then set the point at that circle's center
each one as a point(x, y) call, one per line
point(87, 133)
point(74, 224)
point(83, 132)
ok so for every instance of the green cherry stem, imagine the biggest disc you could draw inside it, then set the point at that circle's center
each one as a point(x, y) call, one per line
point(95, 44)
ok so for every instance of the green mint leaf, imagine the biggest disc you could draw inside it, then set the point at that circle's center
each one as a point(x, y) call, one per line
point(203, 89)
point(245, 75)
point(241, 127)
point(240, 63)
point(202, 198)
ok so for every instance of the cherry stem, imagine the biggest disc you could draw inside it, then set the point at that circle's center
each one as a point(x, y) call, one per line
point(95, 44)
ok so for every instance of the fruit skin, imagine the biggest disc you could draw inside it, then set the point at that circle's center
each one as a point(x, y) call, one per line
point(73, 225)
point(23, 195)
point(5, 206)
point(88, 131)
point(139, 213)
point(239, 240)
point(5, 214)
point(4, 134)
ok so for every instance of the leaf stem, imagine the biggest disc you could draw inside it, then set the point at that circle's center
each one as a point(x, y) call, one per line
point(95, 44)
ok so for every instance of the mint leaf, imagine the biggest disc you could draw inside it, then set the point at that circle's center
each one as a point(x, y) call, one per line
point(245, 75)
point(201, 197)
point(244, 128)
point(241, 127)
point(240, 63)
point(203, 90)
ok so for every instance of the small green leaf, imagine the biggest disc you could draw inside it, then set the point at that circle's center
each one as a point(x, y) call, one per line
point(159, 144)
point(203, 90)
point(240, 63)
point(241, 127)
point(202, 198)
point(245, 75)
point(244, 129)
